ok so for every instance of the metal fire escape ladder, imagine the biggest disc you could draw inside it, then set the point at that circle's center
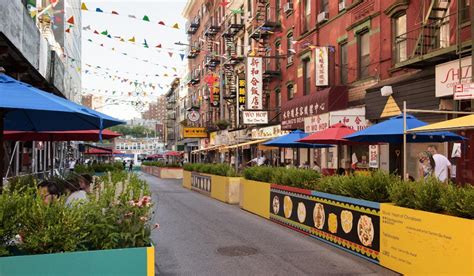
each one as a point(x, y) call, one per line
point(428, 38)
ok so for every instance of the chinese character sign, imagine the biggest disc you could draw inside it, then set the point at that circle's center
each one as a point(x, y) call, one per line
point(255, 117)
point(215, 94)
point(321, 66)
point(254, 83)
point(242, 92)
point(373, 156)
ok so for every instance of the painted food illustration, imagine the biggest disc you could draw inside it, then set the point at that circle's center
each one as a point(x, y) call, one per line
point(332, 223)
point(301, 212)
point(346, 221)
point(365, 230)
point(287, 206)
point(276, 205)
point(319, 216)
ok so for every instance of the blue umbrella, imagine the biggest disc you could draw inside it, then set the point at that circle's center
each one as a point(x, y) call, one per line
point(289, 141)
point(25, 108)
point(391, 131)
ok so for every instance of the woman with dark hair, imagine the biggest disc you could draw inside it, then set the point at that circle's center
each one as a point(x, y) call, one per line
point(48, 191)
point(83, 183)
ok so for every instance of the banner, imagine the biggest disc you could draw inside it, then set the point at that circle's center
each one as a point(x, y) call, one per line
point(373, 156)
point(194, 132)
point(255, 117)
point(321, 66)
point(215, 94)
point(254, 83)
point(242, 92)
point(447, 76)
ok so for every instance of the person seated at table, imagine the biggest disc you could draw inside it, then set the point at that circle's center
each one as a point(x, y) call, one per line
point(48, 190)
point(304, 165)
point(82, 186)
point(316, 167)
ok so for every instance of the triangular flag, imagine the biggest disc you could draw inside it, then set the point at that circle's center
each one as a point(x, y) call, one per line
point(122, 40)
point(132, 39)
point(161, 23)
point(96, 32)
point(53, 3)
point(170, 53)
point(99, 10)
point(145, 18)
point(224, 3)
point(84, 7)
point(102, 45)
point(104, 32)
point(132, 16)
point(236, 11)
point(158, 46)
point(176, 26)
point(182, 56)
point(114, 12)
point(145, 44)
point(68, 30)
point(109, 36)
point(55, 27)
point(71, 20)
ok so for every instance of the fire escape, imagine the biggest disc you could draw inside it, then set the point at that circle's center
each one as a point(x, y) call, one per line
point(265, 23)
point(211, 62)
point(232, 28)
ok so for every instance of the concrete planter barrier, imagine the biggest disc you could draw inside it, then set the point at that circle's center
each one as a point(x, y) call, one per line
point(163, 172)
point(408, 241)
point(225, 189)
point(128, 261)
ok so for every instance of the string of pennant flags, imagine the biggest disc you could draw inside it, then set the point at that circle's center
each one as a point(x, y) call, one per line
point(98, 67)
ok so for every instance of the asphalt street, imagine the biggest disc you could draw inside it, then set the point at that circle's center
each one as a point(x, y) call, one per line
point(202, 236)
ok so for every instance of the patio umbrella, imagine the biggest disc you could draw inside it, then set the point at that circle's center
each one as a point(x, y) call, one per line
point(71, 135)
point(461, 123)
point(391, 131)
point(173, 153)
point(26, 108)
point(290, 140)
point(101, 151)
point(333, 135)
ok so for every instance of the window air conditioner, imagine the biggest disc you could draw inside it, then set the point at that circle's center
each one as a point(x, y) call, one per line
point(342, 5)
point(288, 8)
point(323, 16)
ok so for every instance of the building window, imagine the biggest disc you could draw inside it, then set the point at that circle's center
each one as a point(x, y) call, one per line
point(307, 15)
point(267, 101)
point(464, 10)
point(400, 39)
point(307, 77)
point(290, 51)
point(324, 6)
point(277, 54)
point(343, 64)
point(277, 11)
point(278, 98)
point(291, 91)
point(242, 16)
point(249, 7)
point(363, 54)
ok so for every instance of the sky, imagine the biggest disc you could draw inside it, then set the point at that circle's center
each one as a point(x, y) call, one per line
point(110, 55)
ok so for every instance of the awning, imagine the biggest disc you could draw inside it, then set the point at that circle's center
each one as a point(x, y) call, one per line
point(207, 149)
point(247, 143)
point(461, 123)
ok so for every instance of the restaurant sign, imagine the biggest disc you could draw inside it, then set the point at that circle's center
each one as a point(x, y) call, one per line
point(194, 132)
point(215, 94)
point(268, 132)
point(254, 83)
point(255, 117)
point(450, 74)
point(242, 92)
point(316, 123)
point(323, 101)
point(354, 118)
point(322, 66)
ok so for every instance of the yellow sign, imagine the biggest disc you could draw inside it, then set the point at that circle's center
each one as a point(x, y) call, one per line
point(194, 132)
point(421, 243)
point(391, 108)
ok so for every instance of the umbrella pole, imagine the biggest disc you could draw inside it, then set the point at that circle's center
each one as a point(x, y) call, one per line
point(2, 149)
point(404, 140)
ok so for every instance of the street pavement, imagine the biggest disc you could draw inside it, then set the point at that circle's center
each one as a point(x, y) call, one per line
point(202, 236)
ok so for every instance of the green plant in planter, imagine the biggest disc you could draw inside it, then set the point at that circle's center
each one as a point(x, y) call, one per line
point(216, 169)
point(459, 201)
point(222, 124)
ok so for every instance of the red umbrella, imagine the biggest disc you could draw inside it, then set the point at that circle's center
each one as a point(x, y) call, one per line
point(101, 151)
point(333, 135)
point(75, 135)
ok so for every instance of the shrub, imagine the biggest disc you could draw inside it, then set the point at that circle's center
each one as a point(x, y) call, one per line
point(161, 164)
point(216, 169)
point(459, 201)
point(301, 178)
point(117, 215)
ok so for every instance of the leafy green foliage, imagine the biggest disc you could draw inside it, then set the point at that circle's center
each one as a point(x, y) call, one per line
point(98, 168)
point(161, 164)
point(216, 169)
point(134, 131)
point(300, 178)
point(117, 215)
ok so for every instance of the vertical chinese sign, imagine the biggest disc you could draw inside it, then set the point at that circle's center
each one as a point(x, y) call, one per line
point(254, 83)
point(322, 66)
point(215, 93)
point(241, 92)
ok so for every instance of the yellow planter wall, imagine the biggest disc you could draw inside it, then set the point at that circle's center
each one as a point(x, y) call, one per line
point(255, 197)
point(225, 189)
point(187, 179)
point(422, 243)
point(170, 173)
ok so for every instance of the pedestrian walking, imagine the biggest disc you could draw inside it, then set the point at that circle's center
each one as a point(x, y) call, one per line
point(442, 166)
point(130, 167)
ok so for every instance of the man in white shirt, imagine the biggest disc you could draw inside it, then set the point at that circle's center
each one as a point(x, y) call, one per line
point(259, 161)
point(442, 164)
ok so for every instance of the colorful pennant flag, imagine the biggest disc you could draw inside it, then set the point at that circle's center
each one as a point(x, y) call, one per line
point(146, 18)
point(224, 3)
point(68, 30)
point(99, 10)
point(161, 23)
point(145, 44)
point(236, 11)
point(104, 33)
point(158, 46)
point(84, 7)
point(71, 20)
point(170, 53)
point(182, 56)
point(132, 39)
point(115, 13)
point(176, 26)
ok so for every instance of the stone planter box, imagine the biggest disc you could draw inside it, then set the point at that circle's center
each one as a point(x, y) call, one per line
point(408, 241)
point(128, 261)
point(163, 172)
point(225, 189)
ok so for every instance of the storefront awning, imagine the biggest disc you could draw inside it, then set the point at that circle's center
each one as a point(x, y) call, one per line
point(207, 149)
point(247, 143)
point(461, 123)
